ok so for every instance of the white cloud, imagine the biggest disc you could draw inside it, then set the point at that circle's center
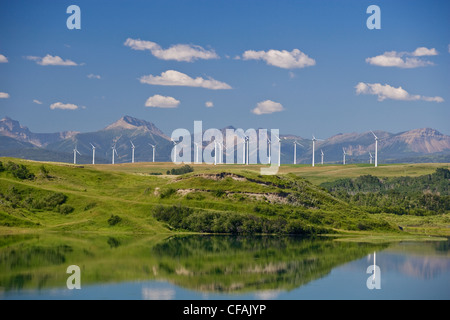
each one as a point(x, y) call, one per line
point(158, 101)
point(388, 92)
point(37, 101)
point(178, 52)
point(93, 76)
point(49, 60)
point(175, 78)
point(3, 59)
point(209, 104)
point(282, 59)
point(4, 95)
point(403, 59)
point(422, 51)
point(63, 106)
point(267, 107)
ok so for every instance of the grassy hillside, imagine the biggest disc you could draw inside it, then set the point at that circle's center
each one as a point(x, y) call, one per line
point(141, 198)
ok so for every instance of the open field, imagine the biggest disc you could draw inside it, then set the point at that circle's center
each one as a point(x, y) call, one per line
point(316, 175)
point(123, 198)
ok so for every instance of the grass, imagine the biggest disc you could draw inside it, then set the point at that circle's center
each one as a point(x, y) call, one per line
point(316, 175)
point(130, 192)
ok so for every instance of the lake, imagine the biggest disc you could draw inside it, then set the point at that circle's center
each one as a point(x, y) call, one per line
point(220, 268)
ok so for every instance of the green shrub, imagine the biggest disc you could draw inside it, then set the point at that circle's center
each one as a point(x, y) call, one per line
point(19, 171)
point(90, 206)
point(219, 193)
point(113, 220)
point(167, 193)
point(65, 209)
point(184, 169)
point(43, 172)
point(184, 218)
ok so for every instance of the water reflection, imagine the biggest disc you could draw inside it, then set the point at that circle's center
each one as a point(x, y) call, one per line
point(268, 267)
point(241, 264)
point(419, 260)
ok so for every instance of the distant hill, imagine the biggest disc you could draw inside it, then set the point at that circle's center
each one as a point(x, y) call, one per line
point(425, 145)
point(121, 133)
point(418, 145)
point(12, 128)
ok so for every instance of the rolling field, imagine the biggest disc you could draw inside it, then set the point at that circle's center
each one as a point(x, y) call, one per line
point(316, 175)
point(122, 198)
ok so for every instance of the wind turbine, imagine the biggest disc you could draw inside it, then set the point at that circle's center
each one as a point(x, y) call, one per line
point(371, 157)
point(279, 151)
point(376, 149)
point(93, 153)
point(221, 146)
point(132, 151)
point(345, 153)
point(215, 152)
point(114, 152)
point(247, 141)
point(153, 147)
point(321, 154)
point(196, 146)
point(314, 150)
point(75, 151)
point(270, 149)
point(295, 151)
point(175, 151)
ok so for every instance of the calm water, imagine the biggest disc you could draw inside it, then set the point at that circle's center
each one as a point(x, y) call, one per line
point(220, 267)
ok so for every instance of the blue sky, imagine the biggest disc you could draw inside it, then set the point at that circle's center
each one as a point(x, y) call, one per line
point(309, 67)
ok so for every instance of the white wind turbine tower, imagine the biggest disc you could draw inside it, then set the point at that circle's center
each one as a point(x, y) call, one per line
point(215, 152)
point(279, 151)
point(295, 151)
point(244, 144)
point(153, 147)
point(314, 150)
point(174, 151)
point(221, 147)
point(270, 149)
point(345, 153)
point(93, 153)
point(196, 149)
point(321, 155)
point(75, 151)
point(114, 152)
point(247, 141)
point(376, 149)
point(132, 151)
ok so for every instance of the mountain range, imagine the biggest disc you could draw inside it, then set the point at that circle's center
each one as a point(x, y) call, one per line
point(419, 145)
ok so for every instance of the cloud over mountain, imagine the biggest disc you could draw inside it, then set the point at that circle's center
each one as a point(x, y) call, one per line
point(267, 107)
point(175, 78)
point(388, 92)
point(178, 52)
point(282, 59)
point(404, 60)
point(158, 101)
point(50, 60)
point(63, 106)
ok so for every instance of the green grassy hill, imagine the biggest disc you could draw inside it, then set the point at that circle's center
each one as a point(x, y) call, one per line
point(141, 198)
